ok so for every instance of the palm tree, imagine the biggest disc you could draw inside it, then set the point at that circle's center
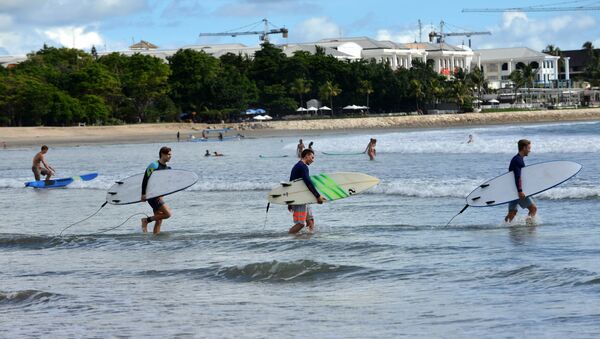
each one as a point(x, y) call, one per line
point(366, 88)
point(477, 80)
point(329, 90)
point(518, 81)
point(417, 88)
point(301, 86)
point(529, 75)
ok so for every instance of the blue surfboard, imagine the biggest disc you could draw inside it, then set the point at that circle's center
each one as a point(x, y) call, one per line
point(55, 183)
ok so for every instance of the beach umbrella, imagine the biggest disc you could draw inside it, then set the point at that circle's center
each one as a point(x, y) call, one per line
point(267, 117)
point(477, 101)
point(251, 111)
point(494, 101)
point(301, 109)
point(260, 111)
point(350, 107)
point(325, 108)
point(259, 117)
point(312, 109)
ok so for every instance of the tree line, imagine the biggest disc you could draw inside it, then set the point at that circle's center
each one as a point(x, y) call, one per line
point(62, 87)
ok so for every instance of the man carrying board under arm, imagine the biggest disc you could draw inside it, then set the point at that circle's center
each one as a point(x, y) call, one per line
point(516, 164)
point(302, 213)
point(160, 209)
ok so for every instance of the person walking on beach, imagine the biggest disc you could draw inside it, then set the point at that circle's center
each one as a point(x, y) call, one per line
point(178, 136)
point(370, 150)
point(516, 164)
point(36, 167)
point(160, 209)
point(302, 214)
point(299, 148)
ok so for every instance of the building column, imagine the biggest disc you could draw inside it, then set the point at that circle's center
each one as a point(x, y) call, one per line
point(567, 72)
point(555, 63)
point(409, 61)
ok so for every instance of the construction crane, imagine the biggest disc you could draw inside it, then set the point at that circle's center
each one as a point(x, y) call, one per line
point(441, 36)
point(539, 8)
point(263, 35)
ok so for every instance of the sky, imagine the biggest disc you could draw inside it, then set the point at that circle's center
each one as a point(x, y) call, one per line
point(112, 25)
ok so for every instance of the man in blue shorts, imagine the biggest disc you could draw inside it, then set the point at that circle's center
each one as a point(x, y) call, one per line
point(160, 209)
point(302, 213)
point(516, 164)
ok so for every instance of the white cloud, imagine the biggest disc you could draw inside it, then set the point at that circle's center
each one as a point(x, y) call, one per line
point(266, 8)
point(315, 29)
point(74, 37)
point(404, 36)
point(518, 29)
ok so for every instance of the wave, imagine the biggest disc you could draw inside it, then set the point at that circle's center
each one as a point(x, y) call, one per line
point(26, 297)
point(421, 188)
point(271, 271)
point(545, 277)
point(277, 271)
point(460, 188)
point(563, 138)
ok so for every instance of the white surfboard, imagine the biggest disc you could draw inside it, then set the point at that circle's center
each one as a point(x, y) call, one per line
point(161, 183)
point(535, 179)
point(332, 186)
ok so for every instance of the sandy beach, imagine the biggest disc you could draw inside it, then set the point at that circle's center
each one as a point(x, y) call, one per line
point(33, 136)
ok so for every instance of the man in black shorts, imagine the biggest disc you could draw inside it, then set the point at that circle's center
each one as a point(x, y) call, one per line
point(160, 209)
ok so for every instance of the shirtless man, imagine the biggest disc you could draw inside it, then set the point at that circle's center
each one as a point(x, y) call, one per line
point(38, 161)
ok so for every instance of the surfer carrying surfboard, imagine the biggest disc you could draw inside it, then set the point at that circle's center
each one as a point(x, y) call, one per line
point(302, 214)
point(160, 209)
point(38, 160)
point(516, 164)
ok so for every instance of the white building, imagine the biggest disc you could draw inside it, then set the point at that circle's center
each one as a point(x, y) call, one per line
point(498, 63)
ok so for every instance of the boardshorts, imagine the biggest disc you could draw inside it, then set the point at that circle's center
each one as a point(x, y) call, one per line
point(302, 213)
point(37, 171)
point(524, 203)
point(156, 203)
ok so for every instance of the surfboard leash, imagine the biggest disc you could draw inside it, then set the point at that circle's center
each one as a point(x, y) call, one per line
point(82, 220)
point(266, 215)
point(463, 209)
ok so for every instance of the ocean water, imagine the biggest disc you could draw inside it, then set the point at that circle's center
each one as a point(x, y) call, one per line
point(381, 264)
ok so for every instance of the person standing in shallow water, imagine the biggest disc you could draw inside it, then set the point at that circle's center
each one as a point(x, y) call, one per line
point(299, 148)
point(302, 214)
point(516, 164)
point(370, 150)
point(160, 209)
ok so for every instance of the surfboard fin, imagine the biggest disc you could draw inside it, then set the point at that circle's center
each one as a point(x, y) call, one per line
point(476, 198)
point(112, 193)
point(116, 201)
point(484, 185)
point(119, 182)
point(286, 184)
point(289, 202)
point(490, 202)
point(275, 195)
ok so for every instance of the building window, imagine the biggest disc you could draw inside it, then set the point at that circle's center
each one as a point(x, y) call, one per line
point(492, 68)
point(534, 64)
point(505, 66)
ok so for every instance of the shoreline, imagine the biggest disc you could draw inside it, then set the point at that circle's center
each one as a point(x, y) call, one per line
point(35, 136)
